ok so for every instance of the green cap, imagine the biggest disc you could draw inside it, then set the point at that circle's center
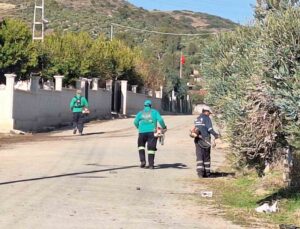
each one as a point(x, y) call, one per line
point(147, 103)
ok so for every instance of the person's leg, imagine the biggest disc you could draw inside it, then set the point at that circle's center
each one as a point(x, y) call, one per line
point(75, 121)
point(207, 161)
point(152, 142)
point(141, 146)
point(199, 157)
point(80, 122)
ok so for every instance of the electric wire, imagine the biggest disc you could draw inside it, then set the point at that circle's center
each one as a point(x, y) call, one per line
point(164, 33)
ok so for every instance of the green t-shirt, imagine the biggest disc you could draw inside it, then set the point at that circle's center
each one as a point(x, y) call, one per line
point(78, 103)
point(147, 119)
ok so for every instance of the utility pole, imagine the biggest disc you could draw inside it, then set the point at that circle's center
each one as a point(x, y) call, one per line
point(111, 32)
point(39, 20)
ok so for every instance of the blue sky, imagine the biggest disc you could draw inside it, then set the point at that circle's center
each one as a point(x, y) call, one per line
point(240, 11)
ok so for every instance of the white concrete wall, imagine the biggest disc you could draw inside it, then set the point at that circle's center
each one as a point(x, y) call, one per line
point(35, 110)
point(135, 102)
point(4, 124)
point(100, 103)
point(6, 104)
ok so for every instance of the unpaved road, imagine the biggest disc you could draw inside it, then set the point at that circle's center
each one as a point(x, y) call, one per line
point(94, 181)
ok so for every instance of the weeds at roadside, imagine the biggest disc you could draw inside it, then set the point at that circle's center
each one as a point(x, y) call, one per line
point(238, 197)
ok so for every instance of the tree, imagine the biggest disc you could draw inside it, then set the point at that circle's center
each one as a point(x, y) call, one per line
point(17, 54)
point(66, 54)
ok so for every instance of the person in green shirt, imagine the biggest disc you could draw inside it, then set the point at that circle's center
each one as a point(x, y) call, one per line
point(146, 123)
point(77, 104)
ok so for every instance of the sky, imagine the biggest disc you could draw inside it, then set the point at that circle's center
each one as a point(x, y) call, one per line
point(240, 11)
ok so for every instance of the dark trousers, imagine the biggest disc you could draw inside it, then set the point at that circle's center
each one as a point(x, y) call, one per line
point(203, 161)
point(78, 119)
point(151, 146)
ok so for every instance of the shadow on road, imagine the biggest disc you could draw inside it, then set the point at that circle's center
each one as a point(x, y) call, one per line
point(93, 133)
point(66, 175)
point(221, 174)
point(91, 177)
point(172, 166)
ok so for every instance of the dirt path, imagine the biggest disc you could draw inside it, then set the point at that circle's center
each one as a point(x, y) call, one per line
point(94, 181)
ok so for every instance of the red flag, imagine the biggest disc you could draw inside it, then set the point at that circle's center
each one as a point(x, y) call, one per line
point(182, 59)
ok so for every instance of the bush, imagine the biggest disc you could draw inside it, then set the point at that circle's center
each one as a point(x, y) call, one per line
point(253, 77)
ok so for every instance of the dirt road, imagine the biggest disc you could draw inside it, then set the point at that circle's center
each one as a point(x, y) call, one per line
point(93, 181)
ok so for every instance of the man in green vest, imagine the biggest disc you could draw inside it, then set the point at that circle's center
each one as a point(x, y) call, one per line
point(77, 104)
point(146, 123)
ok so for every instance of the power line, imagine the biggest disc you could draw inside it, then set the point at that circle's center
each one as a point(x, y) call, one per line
point(163, 33)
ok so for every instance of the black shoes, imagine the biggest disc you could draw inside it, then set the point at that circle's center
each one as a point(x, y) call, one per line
point(75, 131)
point(143, 164)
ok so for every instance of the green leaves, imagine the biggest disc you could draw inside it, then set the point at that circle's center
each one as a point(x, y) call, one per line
point(78, 55)
point(16, 50)
point(252, 76)
point(73, 55)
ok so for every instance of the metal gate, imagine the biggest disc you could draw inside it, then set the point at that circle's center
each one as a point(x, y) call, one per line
point(116, 97)
point(86, 90)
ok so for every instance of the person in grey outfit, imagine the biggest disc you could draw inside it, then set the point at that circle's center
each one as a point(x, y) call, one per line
point(204, 128)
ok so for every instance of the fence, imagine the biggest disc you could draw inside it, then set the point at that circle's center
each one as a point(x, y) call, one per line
point(33, 108)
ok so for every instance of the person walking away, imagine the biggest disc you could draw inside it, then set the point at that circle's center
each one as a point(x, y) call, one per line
point(202, 132)
point(146, 122)
point(77, 104)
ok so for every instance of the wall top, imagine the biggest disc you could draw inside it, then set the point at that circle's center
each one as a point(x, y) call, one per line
point(59, 77)
point(12, 75)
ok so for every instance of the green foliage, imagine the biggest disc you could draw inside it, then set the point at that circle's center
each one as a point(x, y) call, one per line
point(70, 54)
point(253, 81)
point(197, 98)
point(78, 55)
point(16, 50)
point(161, 54)
point(269, 6)
point(281, 60)
point(66, 54)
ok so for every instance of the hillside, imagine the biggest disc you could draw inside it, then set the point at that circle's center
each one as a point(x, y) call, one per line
point(95, 16)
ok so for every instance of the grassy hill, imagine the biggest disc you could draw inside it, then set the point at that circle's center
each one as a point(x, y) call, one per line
point(95, 16)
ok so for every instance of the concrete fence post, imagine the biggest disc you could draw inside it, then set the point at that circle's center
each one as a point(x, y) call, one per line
point(58, 82)
point(109, 84)
point(124, 96)
point(95, 84)
point(157, 94)
point(134, 88)
point(34, 83)
point(7, 103)
point(80, 83)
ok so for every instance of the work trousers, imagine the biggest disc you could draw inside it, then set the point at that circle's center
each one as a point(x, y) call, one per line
point(151, 146)
point(203, 161)
point(78, 119)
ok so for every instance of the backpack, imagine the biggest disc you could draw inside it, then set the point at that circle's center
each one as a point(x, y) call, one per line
point(78, 102)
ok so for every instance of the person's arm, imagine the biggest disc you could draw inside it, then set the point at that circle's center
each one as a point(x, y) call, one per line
point(211, 129)
point(160, 120)
point(72, 103)
point(137, 120)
